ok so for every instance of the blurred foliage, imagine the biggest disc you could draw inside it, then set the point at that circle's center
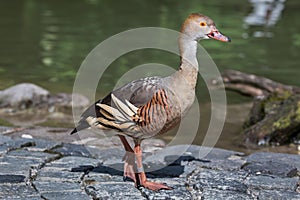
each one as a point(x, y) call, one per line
point(296, 38)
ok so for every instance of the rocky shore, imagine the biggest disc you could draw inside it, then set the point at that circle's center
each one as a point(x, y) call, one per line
point(32, 168)
point(27, 104)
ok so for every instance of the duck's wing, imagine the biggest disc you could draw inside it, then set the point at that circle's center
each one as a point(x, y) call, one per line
point(112, 109)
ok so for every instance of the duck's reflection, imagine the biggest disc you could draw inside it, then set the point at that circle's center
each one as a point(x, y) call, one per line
point(265, 13)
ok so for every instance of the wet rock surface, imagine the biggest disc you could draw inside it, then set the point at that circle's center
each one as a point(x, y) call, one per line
point(44, 169)
point(28, 95)
point(27, 104)
point(23, 95)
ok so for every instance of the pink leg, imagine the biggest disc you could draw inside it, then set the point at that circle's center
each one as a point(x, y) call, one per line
point(129, 160)
point(141, 174)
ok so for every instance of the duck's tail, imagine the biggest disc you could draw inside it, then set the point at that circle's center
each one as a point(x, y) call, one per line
point(120, 117)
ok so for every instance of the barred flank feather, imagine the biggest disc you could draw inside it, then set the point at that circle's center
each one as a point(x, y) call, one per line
point(155, 110)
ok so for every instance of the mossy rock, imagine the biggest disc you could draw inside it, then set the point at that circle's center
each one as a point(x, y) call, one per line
point(274, 119)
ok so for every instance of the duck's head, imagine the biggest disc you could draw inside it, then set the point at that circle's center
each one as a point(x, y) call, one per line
point(198, 26)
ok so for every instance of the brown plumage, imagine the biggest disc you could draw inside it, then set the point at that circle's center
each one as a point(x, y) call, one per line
point(150, 106)
point(157, 106)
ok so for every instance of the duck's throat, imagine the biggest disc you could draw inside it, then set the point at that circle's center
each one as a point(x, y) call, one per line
point(189, 63)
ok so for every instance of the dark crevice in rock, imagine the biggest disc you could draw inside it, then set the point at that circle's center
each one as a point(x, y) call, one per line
point(52, 149)
point(49, 160)
point(43, 197)
point(253, 193)
point(92, 192)
point(34, 170)
point(191, 187)
point(143, 193)
point(24, 145)
point(89, 190)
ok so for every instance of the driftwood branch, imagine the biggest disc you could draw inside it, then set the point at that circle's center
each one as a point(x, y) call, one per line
point(275, 115)
point(252, 85)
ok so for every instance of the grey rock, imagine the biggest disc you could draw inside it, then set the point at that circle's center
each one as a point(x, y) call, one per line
point(43, 145)
point(51, 175)
point(35, 155)
point(220, 180)
point(61, 171)
point(63, 102)
point(293, 160)
point(11, 178)
point(4, 139)
point(96, 177)
point(71, 150)
point(113, 191)
point(272, 183)
point(215, 194)
point(23, 96)
point(66, 195)
point(196, 156)
point(198, 152)
point(108, 156)
point(104, 186)
point(219, 159)
point(26, 104)
point(70, 162)
point(3, 150)
point(18, 191)
point(271, 168)
point(101, 186)
point(56, 180)
point(278, 195)
point(55, 170)
point(3, 147)
point(18, 143)
point(17, 166)
point(21, 161)
point(53, 186)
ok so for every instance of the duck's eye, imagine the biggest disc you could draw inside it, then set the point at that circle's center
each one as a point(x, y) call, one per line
point(202, 24)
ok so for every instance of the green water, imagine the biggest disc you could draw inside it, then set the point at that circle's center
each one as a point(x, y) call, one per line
point(45, 41)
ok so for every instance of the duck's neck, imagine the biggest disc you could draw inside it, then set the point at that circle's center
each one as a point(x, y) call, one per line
point(189, 64)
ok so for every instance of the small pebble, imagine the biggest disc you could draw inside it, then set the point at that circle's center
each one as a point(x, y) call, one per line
point(27, 136)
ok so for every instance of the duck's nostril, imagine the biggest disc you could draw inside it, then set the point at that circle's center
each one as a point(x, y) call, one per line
point(212, 34)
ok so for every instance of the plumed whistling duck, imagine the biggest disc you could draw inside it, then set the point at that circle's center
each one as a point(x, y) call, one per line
point(151, 106)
